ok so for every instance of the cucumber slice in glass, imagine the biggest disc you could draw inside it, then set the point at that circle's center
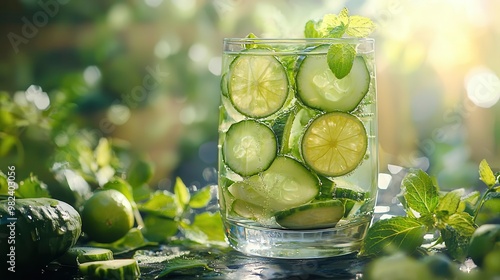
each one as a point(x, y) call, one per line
point(248, 210)
point(287, 183)
point(249, 148)
point(317, 86)
point(321, 214)
point(257, 84)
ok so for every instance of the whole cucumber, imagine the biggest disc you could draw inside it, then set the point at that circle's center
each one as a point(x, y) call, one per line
point(33, 232)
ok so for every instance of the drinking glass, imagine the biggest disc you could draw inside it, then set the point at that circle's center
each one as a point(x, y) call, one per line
point(297, 161)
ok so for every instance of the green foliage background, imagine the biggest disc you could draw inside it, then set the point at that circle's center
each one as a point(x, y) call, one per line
point(94, 60)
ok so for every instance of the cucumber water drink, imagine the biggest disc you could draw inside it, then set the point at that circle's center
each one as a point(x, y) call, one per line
point(297, 148)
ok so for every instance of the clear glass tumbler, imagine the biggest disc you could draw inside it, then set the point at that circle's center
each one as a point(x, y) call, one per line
point(298, 162)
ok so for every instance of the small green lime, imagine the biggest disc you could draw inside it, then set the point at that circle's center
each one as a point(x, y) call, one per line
point(440, 265)
point(396, 267)
point(491, 262)
point(107, 216)
point(483, 241)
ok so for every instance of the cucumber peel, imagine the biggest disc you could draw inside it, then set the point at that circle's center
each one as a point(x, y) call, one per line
point(45, 229)
point(77, 255)
point(122, 269)
point(321, 214)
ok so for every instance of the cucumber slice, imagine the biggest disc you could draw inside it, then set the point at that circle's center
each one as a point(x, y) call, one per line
point(287, 183)
point(248, 210)
point(250, 147)
point(76, 255)
point(223, 84)
point(318, 87)
point(281, 129)
point(334, 144)
point(123, 269)
point(251, 191)
point(257, 84)
point(348, 193)
point(315, 215)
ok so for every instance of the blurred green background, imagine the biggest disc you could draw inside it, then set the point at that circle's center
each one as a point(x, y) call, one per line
point(145, 73)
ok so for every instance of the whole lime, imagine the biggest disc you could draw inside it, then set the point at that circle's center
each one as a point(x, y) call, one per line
point(107, 216)
point(491, 262)
point(483, 241)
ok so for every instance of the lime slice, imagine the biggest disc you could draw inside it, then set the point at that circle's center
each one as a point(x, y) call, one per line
point(258, 85)
point(334, 144)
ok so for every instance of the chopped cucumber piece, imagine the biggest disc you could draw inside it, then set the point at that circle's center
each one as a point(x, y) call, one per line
point(248, 210)
point(334, 144)
point(318, 87)
point(348, 193)
point(76, 255)
point(281, 128)
point(321, 214)
point(257, 84)
point(223, 84)
point(250, 191)
point(287, 183)
point(123, 269)
point(250, 147)
point(351, 206)
point(327, 188)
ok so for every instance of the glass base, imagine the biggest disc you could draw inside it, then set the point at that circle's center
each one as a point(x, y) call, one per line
point(296, 244)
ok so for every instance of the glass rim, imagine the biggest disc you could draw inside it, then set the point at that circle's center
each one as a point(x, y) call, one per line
point(242, 40)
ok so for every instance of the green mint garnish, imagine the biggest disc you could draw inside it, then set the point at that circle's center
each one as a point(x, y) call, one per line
point(340, 56)
point(394, 234)
point(486, 174)
point(419, 191)
point(452, 214)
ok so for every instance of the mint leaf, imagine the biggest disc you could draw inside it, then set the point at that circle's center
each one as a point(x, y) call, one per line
point(140, 173)
point(159, 229)
point(469, 202)
point(337, 31)
point(486, 174)
point(457, 233)
point(31, 187)
point(103, 153)
point(360, 26)
point(201, 198)
point(131, 241)
point(329, 22)
point(394, 234)
point(343, 16)
point(420, 193)
point(206, 228)
point(181, 193)
point(491, 195)
point(310, 30)
point(181, 263)
point(340, 58)
point(251, 46)
point(161, 203)
point(450, 201)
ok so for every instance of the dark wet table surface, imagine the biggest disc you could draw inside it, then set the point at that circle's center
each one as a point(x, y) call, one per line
point(226, 263)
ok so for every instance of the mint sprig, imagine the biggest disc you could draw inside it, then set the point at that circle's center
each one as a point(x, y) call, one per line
point(340, 57)
point(428, 210)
